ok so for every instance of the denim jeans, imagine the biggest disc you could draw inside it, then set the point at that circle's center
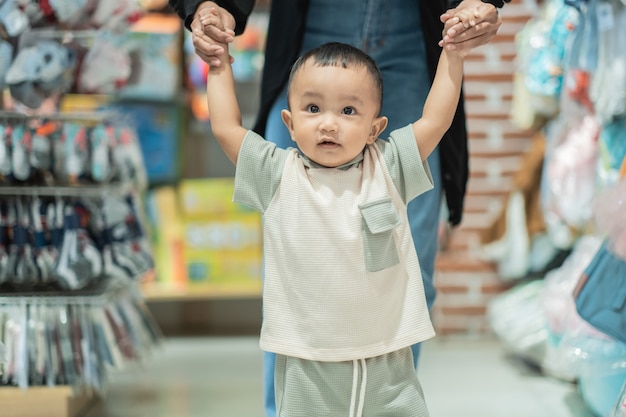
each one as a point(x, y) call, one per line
point(389, 31)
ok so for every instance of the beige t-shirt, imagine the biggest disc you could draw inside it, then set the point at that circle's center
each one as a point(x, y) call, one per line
point(342, 280)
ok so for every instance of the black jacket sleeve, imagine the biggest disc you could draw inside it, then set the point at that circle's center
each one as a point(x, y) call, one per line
point(498, 3)
point(240, 9)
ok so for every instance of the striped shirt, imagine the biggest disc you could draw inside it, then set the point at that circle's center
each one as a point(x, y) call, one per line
point(341, 277)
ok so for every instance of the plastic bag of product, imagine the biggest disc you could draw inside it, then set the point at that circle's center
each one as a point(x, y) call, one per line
point(575, 347)
point(608, 87)
point(610, 216)
point(602, 373)
point(557, 303)
point(570, 180)
point(601, 293)
point(516, 317)
point(545, 59)
point(620, 405)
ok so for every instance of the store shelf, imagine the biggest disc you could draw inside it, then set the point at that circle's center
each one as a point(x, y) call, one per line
point(60, 401)
point(86, 191)
point(166, 291)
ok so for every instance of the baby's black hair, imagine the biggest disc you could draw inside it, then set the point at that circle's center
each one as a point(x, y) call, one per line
point(340, 54)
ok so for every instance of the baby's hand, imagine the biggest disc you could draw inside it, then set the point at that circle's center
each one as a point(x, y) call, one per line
point(468, 17)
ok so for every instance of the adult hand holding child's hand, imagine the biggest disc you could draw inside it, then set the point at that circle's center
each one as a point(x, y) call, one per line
point(457, 35)
point(211, 28)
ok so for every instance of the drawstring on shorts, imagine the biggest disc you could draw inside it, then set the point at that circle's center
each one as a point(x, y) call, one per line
point(355, 380)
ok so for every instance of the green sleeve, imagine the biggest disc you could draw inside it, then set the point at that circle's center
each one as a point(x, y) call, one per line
point(259, 170)
point(409, 173)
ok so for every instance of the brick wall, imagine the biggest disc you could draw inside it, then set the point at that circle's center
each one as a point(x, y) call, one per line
point(465, 284)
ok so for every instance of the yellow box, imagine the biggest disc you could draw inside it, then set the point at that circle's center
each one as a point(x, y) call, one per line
point(223, 248)
point(166, 233)
point(222, 240)
point(208, 196)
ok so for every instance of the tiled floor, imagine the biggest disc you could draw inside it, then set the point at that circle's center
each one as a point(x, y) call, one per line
point(221, 376)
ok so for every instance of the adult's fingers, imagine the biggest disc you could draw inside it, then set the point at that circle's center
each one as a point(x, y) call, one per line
point(206, 48)
point(467, 41)
point(475, 36)
point(219, 35)
point(486, 17)
point(218, 24)
point(212, 28)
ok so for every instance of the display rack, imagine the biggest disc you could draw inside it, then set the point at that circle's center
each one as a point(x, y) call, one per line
point(20, 302)
point(171, 291)
point(67, 320)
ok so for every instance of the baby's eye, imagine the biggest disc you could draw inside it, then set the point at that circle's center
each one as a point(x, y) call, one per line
point(348, 110)
point(312, 108)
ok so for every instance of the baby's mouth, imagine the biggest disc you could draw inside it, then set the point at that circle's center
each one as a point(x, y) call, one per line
point(327, 142)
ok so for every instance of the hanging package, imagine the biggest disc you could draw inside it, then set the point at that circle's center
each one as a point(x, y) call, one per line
point(620, 405)
point(601, 294)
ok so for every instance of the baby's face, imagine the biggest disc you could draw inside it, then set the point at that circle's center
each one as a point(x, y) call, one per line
point(333, 112)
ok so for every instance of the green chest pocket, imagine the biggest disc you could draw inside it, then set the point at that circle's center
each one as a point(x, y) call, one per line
point(379, 219)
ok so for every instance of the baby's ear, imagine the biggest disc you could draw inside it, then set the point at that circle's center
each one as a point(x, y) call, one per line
point(288, 121)
point(378, 125)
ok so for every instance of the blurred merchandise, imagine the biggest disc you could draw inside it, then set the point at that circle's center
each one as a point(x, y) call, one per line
point(516, 317)
point(222, 240)
point(72, 339)
point(600, 294)
point(156, 39)
point(620, 405)
point(248, 53)
point(141, 59)
point(570, 176)
point(602, 375)
point(73, 244)
point(565, 326)
point(610, 216)
point(159, 127)
point(201, 237)
point(166, 233)
point(19, 16)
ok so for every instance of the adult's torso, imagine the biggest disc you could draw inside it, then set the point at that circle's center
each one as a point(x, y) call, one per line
point(386, 29)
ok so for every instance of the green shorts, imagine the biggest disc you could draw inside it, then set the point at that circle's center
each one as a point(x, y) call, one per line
point(385, 385)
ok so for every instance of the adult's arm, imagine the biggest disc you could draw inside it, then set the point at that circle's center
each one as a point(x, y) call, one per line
point(240, 9)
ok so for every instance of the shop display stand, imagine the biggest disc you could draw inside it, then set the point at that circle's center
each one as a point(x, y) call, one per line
point(131, 332)
point(67, 320)
point(58, 400)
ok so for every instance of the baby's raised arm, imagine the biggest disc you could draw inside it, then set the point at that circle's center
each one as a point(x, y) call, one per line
point(224, 111)
point(443, 98)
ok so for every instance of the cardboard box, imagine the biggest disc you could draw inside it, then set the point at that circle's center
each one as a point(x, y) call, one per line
point(166, 234)
point(222, 240)
point(209, 196)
